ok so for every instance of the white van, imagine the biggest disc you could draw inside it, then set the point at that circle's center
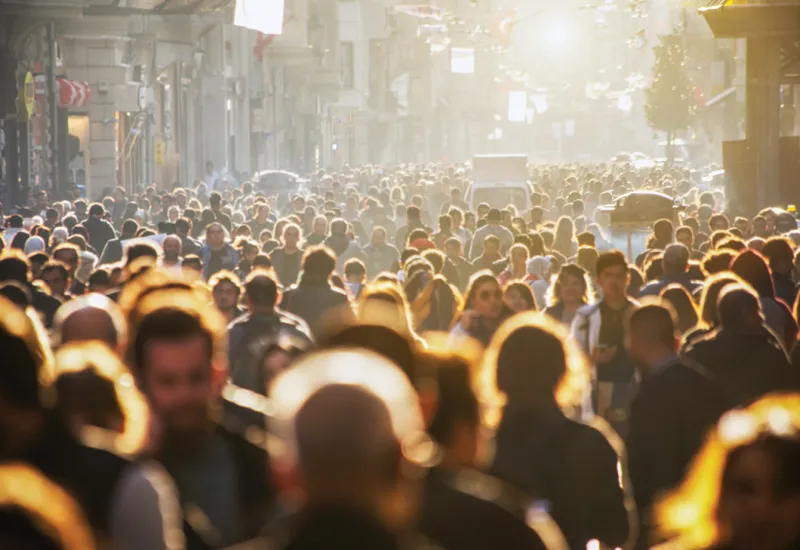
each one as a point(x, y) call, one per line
point(500, 180)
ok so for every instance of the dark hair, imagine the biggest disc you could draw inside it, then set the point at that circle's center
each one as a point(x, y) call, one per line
point(776, 250)
point(735, 304)
point(717, 261)
point(685, 308)
point(654, 323)
point(457, 401)
point(55, 266)
point(521, 380)
point(261, 288)
point(612, 258)
point(525, 291)
point(413, 213)
point(130, 227)
point(587, 239)
point(384, 341)
point(100, 277)
point(97, 209)
point(445, 222)
point(319, 261)
point(168, 324)
point(140, 250)
point(262, 260)
point(663, 231)
point(753, 269)
point(14, 267)
point(437, 259)
point(19, 240)
point(355, 267)
point(192, 261)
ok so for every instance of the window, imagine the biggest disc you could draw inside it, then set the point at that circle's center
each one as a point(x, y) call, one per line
point(347, 64)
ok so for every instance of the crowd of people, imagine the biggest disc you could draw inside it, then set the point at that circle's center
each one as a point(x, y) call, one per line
point(370, 362)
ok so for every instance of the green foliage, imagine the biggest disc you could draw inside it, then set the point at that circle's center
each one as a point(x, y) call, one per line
point(671, 103)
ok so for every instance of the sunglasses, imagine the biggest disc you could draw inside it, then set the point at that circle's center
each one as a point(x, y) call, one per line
point(489, 294)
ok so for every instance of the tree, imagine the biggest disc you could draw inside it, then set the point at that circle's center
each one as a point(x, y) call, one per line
point(671, 103)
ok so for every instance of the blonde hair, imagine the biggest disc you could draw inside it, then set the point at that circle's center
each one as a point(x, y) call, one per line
point(691, 511)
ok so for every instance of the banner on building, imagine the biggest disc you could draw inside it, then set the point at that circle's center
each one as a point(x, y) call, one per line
point(265, 16)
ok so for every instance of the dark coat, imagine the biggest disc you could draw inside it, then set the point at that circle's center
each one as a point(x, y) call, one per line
point(112, 253)
point(785, 289)
point(250, 336)
point(571, 465)
point(482, 514)
point(744, 365)
point(100, 232)
point(337, 528)
point(668, 420)
point(89, 474)
point(313, 300)
point(256, 494)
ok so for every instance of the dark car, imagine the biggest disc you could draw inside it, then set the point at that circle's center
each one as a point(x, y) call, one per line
point(639, 208)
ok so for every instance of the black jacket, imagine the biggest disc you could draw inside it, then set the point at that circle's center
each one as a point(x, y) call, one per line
point(472, 511)
point(112, 253)
point(668, 420)
point(257, 502)
point(313, 300)
point(90, 475)
point(785, 289)
point(251, 335)
point(338, 528)
point(744, 365)
point(100, 232)
point(569, 464)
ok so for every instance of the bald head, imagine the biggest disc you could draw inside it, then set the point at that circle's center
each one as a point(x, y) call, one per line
point(92, 317)
point(345, 442)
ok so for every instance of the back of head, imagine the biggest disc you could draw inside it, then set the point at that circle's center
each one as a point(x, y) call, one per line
point(663, 231)
point(319, 262)
point(739, 308)
point(753, 269)
point(261, 289)
point(91, 317)
point(678, 298)
point(347, 418)
point(14, 267)
point(558, 373)
point(26, 357)
point(654, 325)
point(344, 441)
point(676, 259)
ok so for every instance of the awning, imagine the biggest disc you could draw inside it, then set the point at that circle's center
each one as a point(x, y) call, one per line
point(73, 94)
point(721, 96)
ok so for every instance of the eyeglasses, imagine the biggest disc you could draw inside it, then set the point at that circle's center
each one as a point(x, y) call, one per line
point(485, 295)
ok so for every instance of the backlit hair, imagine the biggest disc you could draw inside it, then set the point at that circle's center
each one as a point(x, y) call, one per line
point(691, 512)
point(573, 381)
point(50, 508)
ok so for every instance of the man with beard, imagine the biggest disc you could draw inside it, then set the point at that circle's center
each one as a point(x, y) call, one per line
point(380, 256)
point(178, 355)
point(226, 290)
point(171, 259)
point(674, 407)
point(286, 259)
